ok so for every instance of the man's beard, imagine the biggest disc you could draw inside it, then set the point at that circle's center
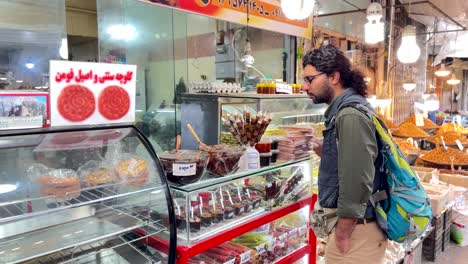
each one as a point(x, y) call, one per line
point(325, 96)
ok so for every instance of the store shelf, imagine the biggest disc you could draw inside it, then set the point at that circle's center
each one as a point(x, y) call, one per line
point(246, 95)
point(97, 223)
point(186, 252)
point(18, 209)
point(295, 255)
point(207, 181)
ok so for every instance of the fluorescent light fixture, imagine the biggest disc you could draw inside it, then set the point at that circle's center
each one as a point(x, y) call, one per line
point(122, 32)
point(409, 51)
point(6, 188)
point(3, 78)
point(19, 81)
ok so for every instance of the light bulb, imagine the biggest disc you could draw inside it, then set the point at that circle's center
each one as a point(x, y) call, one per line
point(297, 9)
point(29, 65)
point(6, 188)
point(442, 72)
point(122, 32)
point(409, 86)
point(63, 50)
point(453, 80)
point(409, 50)
point(432, 102)
point(374, 30)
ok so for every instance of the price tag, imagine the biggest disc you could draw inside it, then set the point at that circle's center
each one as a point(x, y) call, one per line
point(260, 249)
point(302, 230)
point(459, 144)
point(419, 120)
point(284, 88)
point(271, 244)
point(443, 142)
point(245, 257)
point(232, 261)
point(293, 233)
point(410, 140)
point(282, 239)
point(184, 169)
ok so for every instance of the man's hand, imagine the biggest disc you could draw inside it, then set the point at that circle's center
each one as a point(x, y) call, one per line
point(317, 146)
point(344, 229)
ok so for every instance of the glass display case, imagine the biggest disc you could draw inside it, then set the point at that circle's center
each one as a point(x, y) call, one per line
point(77, 196)
point(204, 112)
point(206, 208)
point(266, 244)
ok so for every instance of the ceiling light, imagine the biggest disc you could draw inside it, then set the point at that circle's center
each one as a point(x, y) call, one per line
point(5, 188)
point(409, 50)
point(19, 81)
point(442, 71)
point(63, 50)
point(432, 102)
point(29, 65)
point(409, 84)
point(3, 78)
point(122, 32)
point(374, 28)
point(453, 80)
point(297, 9)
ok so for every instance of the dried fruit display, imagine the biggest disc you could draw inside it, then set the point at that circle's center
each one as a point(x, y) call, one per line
point(447, 156)
point(408, 130)
point(428, 124)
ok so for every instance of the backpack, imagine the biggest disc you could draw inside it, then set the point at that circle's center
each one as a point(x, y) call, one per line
point(401, 205)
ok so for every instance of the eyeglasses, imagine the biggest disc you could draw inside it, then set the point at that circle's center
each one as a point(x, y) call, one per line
point(310, 78)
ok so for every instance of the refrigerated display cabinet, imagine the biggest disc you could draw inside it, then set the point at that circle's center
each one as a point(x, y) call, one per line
point(213, 211)
point(82, 195)
point(204, 112)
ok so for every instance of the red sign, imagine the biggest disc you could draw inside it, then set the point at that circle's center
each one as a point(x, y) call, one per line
point(264, 14)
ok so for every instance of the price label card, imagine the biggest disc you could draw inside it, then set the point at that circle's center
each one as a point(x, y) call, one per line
point(419, 120)
point(459, 144)
point(245, 257)
point(282, 239)
point(410, 140)
point(260, 249)
point(232, 261)
point(293, 233)
point(284, 88)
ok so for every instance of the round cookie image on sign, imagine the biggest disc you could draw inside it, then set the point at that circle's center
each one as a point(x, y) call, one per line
point(76, 103)
point(114, 102)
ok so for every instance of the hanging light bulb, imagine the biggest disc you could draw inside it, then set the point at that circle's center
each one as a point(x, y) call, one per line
point(453, 80)
point(374, 29)
point(297, 9)
point(432, 102)
point(409, 84)
point(409, 50)
point(442, 71)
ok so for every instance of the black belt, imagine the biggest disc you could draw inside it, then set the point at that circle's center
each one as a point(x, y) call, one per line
point(366, 221)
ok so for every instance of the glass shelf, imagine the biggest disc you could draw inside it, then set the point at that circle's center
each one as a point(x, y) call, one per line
point(96, 223)
point(208, 181)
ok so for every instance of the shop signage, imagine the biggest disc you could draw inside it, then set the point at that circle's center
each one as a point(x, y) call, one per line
point(21, 110)
point(85, 93)
point(264, 14)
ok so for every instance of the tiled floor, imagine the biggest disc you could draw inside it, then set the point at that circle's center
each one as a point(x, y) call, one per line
point(453, 255)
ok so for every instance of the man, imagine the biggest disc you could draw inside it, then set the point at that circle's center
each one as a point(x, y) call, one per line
point(348, 151)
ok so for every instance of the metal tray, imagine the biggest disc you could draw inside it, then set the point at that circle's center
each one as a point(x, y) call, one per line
point(104, 222)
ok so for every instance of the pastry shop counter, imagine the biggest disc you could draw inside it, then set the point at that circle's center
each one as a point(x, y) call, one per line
point(209, 207)
point(72, 195)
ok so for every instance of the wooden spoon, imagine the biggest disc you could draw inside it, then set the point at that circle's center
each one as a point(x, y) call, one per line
point(178, 142)
point(200, 143)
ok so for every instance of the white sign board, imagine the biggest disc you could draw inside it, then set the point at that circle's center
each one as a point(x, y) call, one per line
point(86, 93)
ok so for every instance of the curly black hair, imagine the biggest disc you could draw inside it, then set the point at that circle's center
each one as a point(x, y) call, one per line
point(329, 59)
